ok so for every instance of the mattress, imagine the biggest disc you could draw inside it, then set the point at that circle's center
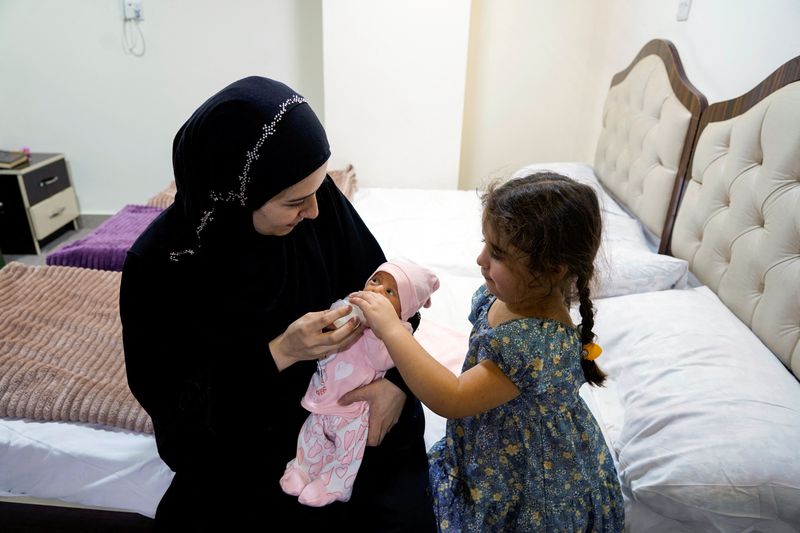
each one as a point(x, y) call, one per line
point(96, 466)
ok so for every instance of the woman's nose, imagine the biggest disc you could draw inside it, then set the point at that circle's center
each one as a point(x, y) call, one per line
point(311, 209)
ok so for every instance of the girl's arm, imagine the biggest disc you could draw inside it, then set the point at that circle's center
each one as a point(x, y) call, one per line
point(479, 389)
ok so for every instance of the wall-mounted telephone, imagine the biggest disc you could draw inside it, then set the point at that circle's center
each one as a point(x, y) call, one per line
point(132, 10)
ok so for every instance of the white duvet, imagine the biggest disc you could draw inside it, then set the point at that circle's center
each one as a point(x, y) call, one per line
point(703, 419)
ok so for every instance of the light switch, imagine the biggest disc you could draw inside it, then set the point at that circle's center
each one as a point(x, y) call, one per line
point(683, 10)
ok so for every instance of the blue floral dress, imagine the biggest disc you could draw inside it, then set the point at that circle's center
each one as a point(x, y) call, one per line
point(537, 463)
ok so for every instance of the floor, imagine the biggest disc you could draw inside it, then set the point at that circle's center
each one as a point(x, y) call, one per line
point(86, 223)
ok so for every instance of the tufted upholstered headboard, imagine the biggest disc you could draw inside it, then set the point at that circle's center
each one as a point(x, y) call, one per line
point(739, 221)
point(649, 123)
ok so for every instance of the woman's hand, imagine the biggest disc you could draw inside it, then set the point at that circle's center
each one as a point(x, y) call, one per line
point(306, 338)
point(385, 401)
point(381, 316)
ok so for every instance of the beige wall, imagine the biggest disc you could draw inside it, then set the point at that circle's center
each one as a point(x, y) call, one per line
point(399, 97)
point(539, 70)
point(530, 82)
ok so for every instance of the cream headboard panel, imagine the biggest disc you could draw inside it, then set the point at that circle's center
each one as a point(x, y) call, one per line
point(739, 221)
point(649, 122)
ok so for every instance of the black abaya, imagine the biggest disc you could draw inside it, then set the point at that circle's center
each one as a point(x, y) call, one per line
point(196, 328)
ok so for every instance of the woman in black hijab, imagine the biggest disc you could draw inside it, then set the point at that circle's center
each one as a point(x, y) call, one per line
point(220, 306)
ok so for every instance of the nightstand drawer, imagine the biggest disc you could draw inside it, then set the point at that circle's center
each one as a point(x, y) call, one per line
point(44, 182)
point(51, 214)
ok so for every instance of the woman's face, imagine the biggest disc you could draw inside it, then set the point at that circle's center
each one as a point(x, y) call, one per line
point(288, 208)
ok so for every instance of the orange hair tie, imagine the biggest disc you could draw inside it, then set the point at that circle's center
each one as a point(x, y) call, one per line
point(591, 351)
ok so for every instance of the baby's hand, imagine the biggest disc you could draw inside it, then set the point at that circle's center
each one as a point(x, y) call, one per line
point(380, 314)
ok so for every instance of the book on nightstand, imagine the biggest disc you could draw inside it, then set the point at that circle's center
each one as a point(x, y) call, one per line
point(12, 159)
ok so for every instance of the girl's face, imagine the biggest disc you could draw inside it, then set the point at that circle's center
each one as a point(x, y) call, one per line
point(497, 262)
point(503, 268)
point(288, 208)
point(384, 284)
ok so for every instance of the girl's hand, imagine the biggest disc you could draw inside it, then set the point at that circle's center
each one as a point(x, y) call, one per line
point(306, 338)
point(378, 310)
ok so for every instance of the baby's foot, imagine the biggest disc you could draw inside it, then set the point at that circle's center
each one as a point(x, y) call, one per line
point(316, 495)
point(294, 481)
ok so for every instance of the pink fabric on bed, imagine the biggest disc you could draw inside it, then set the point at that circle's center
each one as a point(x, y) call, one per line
point(61, 355)
point(445, 344)
point(105, 247)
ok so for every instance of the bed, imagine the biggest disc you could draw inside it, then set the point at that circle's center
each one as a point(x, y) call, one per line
point(640, 168)
point(449, 222)
point(703, 410)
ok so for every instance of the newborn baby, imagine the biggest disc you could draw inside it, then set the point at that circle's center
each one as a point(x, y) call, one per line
point(331, 443)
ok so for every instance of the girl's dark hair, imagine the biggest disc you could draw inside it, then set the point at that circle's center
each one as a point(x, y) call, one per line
point(553, 220)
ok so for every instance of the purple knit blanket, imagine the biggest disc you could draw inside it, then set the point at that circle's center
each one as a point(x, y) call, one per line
point(105, 247)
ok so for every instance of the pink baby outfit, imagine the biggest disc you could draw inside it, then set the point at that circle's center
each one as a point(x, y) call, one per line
point(331, 443)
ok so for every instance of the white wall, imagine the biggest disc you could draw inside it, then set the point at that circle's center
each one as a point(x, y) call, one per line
point(727, 46)
point(69, 87)
point(539, 70)
point(400, 100)
point(394, 88)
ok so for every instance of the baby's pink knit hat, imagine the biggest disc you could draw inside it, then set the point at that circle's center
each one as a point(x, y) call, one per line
point(415, 284)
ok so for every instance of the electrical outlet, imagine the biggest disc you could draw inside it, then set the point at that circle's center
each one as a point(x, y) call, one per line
point(132, 9)
point(683, 10)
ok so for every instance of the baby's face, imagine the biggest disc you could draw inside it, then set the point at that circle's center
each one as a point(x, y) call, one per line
point(384, 284)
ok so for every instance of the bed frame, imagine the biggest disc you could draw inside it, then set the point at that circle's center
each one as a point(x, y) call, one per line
point(738, 226)
point(41, 516)
point(733, 193)
point(650, 121)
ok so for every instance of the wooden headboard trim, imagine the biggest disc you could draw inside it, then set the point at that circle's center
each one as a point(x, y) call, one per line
point(787, 73)
point(693, 100)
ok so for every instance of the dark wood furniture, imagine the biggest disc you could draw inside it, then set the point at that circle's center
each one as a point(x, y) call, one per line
point(36, 200)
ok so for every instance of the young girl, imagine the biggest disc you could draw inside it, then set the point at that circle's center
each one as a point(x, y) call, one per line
point(522, 451)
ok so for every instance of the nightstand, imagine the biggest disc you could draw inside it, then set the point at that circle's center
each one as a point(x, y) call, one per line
point(36, 200)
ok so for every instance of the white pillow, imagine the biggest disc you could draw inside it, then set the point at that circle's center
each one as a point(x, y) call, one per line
point(711, 417)
point(441, 229)
point(625, 268)
point(582, 173)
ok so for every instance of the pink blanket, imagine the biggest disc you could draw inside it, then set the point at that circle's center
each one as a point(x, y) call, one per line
point(61, 355)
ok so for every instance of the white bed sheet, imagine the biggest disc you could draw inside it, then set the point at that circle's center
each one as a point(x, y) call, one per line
point(82, 464)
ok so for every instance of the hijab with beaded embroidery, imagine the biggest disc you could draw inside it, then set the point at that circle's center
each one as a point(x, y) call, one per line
point(243, 146)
